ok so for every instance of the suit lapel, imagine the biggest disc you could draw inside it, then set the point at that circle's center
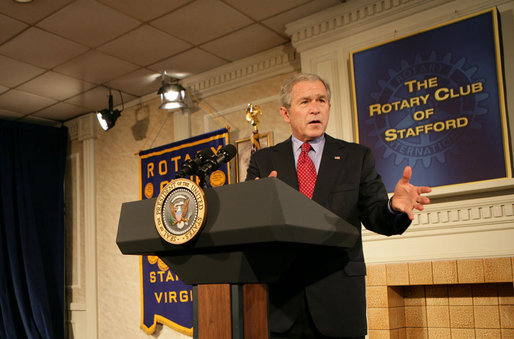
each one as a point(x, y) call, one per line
point(331, 164)
point(283, 163)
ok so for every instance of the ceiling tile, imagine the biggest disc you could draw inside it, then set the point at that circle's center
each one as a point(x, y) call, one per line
point(244, 43)
point(61, 111)
point(190, 62)
point(31, 12)
point(94, 99)
point(9, 27)
point(89, 23)
point(56, 86)
point(144, 10)
point(201, 21)
point(262, 9)
point(96, 67)
point(23, 102)
point(278, 22)
point(41, 48)
point(98, 98)
point(139, 83)
point(144, 46)
point(15, 72)
point(134, 42)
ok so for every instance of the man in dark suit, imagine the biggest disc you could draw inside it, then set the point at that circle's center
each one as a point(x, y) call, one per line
point(324, 294)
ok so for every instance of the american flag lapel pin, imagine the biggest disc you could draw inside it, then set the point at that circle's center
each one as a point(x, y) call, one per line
point(337, 157)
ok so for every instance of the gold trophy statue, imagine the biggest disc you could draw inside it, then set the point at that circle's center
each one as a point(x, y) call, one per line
point(252, 113)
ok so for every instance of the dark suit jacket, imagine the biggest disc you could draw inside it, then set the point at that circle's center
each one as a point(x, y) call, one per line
point(333, 284)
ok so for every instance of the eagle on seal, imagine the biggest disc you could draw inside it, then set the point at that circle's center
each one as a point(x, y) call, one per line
point(179, 212)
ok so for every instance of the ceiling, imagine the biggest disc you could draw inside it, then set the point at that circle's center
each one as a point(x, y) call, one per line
point(59, 58)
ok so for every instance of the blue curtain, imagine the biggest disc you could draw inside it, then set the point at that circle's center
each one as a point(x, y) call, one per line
point(32, 161)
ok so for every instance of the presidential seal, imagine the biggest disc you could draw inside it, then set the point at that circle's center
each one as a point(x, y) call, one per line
point(180, 211)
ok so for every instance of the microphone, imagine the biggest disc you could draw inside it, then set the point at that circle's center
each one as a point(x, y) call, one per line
point(190, 167)
point(223, 156)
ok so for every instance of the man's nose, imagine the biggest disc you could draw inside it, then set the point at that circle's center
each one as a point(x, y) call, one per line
point(314, 108)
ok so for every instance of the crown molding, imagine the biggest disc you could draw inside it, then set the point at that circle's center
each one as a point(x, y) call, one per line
point(351, 18)
point(276, 61)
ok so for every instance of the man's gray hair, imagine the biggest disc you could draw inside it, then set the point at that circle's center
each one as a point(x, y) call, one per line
point(287, 87)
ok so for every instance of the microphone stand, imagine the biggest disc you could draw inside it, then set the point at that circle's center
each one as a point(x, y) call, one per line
point(203, 180)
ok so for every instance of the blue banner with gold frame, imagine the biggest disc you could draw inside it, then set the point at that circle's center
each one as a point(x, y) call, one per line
point(435, 101)
point(165, 298)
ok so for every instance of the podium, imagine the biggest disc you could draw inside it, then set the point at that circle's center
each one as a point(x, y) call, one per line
point(253, 233)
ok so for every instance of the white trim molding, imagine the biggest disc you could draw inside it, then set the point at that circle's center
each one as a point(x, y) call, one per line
point(353, 17)
point(84, 319)
point(276, 61)
point(476, 215)
point(350, 18)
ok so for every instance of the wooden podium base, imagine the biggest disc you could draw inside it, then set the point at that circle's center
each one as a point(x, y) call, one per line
point(255, 298)
point(215, 307)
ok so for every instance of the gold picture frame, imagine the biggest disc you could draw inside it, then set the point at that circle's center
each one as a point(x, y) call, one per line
point(243, 153)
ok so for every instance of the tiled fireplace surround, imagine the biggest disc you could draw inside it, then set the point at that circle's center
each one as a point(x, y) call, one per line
point(471, 298)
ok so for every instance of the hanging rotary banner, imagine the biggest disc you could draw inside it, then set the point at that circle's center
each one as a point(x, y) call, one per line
point(165, 298)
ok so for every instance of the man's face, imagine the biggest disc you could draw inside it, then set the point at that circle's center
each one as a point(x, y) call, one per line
point(309, 111)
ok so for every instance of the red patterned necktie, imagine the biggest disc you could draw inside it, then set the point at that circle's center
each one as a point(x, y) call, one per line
point(306, 172)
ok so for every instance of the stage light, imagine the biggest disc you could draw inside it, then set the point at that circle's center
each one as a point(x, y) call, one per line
point(172, 94)
point(108, 116)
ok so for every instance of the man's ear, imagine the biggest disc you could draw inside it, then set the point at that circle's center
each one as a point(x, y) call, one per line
point(285, 114)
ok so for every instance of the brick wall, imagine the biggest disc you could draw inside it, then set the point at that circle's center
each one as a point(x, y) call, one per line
point(470, 298)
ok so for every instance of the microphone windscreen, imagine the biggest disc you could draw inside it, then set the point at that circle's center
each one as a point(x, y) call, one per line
point(205, 153)
point(230, 150)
